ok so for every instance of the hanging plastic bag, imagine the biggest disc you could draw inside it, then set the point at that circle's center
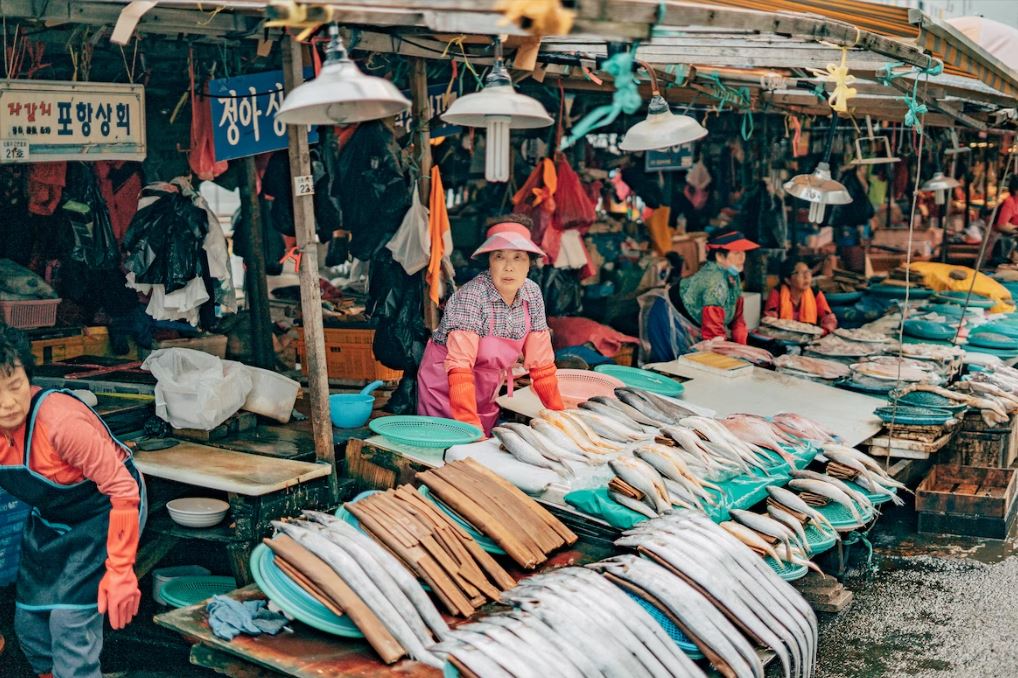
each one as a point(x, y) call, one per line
point(196, 390)
point(411, 246)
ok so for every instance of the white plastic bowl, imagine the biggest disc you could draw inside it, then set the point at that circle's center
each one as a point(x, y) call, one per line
point(197, 511)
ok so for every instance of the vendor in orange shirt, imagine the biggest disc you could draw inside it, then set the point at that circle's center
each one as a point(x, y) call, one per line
point(79, 543)
point(794, 298)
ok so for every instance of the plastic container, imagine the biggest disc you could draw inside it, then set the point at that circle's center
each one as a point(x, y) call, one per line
point(272, 395)
point(579, 386)
point(27, 315)
point(352, 410)
point(165, 575)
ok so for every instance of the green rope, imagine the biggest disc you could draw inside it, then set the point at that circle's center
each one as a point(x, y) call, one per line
point(913, 118)
point(853, 538)
point(748, 126)
point(626, 98)
point(886, 77)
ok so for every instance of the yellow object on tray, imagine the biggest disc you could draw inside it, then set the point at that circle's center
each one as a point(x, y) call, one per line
point(937, 277)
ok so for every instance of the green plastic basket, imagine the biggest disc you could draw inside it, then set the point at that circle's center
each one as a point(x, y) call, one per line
point(913, 415)
point(787, 571)
point(876, 499)
point(841, 519)
point(191, 590)
point(420, 431)
point(997, 340)
point(819, 539)
point(634, 377)
point(976, 300)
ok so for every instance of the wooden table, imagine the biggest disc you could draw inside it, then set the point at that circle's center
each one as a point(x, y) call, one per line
point(259, 490)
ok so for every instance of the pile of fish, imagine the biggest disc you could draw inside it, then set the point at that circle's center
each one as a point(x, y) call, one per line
point(833, 346)
point(979, 392)
point(863, 335)
point(847, 463)
point(817, 489)
point(718, 592)
point(571, 623)
point(894, 368)
point(757, 356)
point(795, 326)
point(817, 368)
point(935, 352)
point(349, 571)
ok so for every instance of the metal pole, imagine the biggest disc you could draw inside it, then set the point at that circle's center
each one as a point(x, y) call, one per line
point(310, 292)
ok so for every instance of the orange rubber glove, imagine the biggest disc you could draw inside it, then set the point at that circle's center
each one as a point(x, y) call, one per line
point(463, 396)
point(119, 596)
point(544, 382)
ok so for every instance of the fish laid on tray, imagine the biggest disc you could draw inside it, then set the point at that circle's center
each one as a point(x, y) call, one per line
point(836, 347)
point(993, 411)
point(720, 593)
point(934, 352)
point(757, 356)
point(572, 623)
point(865, 336)
point(814, 367)
point(792, 326)
point(892, 368)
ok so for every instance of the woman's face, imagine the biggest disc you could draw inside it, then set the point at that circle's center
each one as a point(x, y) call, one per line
point(734, 260)
point(15, 398)
point(801, 278)
point(509, 270)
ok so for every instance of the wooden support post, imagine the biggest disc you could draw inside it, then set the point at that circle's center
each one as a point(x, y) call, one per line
point(422, 145)
point(310, 292)
point(256, 289)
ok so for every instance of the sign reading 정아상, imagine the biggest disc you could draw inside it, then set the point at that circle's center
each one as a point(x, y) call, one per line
point(244, 114)
point(44, 121)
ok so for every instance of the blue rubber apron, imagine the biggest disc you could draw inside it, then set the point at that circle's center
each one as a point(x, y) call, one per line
point(63, 550)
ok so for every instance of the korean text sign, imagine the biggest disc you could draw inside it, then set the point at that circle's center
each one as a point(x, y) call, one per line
point(244, 114)
point(53, 121)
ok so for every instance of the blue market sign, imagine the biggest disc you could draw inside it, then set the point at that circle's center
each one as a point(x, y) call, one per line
point(669, 159)
point(244, 114)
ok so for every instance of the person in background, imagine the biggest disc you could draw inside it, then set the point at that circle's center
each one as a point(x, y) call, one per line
point(81, 538)
point(795, 299)
point(487, 324)
point(712, 297)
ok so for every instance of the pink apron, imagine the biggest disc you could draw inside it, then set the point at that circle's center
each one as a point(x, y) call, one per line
point(495, 359)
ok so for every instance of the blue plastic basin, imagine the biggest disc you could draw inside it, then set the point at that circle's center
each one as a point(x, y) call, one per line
point(350, 410)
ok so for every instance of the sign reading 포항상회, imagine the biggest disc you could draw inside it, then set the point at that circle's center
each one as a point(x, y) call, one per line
point(244, 114)
point(43, 121)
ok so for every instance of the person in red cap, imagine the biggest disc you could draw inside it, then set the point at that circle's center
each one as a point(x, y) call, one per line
point(488, 323)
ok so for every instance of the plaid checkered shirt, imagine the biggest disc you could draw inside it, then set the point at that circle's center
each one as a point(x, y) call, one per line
point(478, 307)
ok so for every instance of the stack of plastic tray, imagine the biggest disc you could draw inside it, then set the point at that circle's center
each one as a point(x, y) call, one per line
point(12, 520)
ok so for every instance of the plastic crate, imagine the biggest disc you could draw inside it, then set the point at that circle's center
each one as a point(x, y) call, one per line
point(27, 315)
point(349, 356)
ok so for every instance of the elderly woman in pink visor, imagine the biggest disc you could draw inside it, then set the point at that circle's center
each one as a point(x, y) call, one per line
point(488, 324)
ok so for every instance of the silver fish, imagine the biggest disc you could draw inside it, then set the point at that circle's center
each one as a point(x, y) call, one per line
point(857, 496)
point(532, 625)
point(795, 502)
point(633, 504)
point(628, 410)
point(475, 660)
point(828, 490)
point(644, 478)
point(385, 561)
point(766, 526)
point(791, 522)
point(545, 447)
point(558, 664)
point(394, 618)
point(558, 439)
point(515, 445)
point(750, 538)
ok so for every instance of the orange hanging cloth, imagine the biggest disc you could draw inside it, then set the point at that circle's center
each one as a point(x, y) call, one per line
point(660, 232)
point(202, 156)
point(438, 229)
point(807, 306)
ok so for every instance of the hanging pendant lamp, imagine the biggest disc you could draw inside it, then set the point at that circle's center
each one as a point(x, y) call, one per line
point(341, 94)
point(940, 185)
point(498, 108)
point(818, 188)
point(662, 128)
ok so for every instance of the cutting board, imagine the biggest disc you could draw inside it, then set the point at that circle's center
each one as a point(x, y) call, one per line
point(225, 470)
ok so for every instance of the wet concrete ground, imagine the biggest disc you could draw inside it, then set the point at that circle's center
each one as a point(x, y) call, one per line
point(931, 606)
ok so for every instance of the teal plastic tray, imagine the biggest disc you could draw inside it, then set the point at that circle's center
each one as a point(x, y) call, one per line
point(643, 379)
point(928, 399)
point(975, 301)
point(819, 540)
point(787, 571)
point(294, 600)
point(191, 590)
point(420, 431)
point(996, 340)
point(842, 298)
point(673, 631)
point(841, 518)
point(911, 415)
point(898, 292)
point(925, 329)
point(1004, 355)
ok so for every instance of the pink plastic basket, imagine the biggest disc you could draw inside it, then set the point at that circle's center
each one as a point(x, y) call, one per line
point(27, 315)
point(578, 386)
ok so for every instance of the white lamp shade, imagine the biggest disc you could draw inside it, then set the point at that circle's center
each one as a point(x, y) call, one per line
point(939, 182)
point(818, 187)
point(661, 129)
point(473, 110)
point(341, 95)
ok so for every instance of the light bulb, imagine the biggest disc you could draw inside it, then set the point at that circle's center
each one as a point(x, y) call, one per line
point(940, 197)
point(496, 149)
point(816, 211)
